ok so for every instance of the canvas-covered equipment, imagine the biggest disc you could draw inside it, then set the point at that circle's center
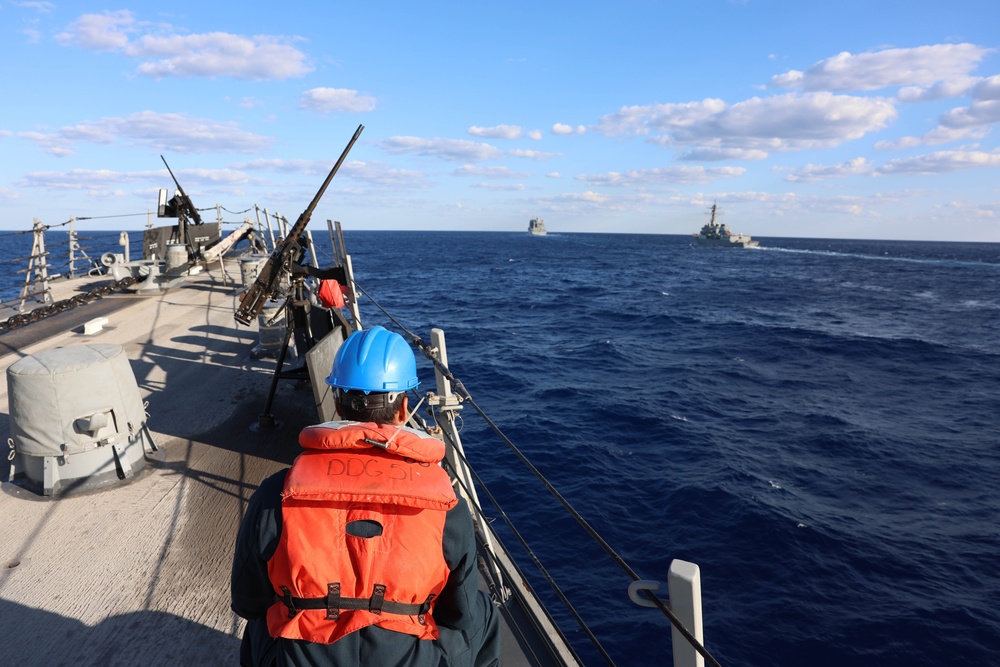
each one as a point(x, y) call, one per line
point(76, 417)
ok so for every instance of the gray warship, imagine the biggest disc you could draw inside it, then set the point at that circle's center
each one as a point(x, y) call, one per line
point(536, 227)
point(718, 235)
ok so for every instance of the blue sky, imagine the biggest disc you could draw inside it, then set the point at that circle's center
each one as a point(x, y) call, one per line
point(845, 120)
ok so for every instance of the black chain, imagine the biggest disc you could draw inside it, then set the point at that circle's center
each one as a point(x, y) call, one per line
point(42, 312)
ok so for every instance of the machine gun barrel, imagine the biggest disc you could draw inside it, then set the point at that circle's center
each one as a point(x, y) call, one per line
point(185, 200)
point(285, 253)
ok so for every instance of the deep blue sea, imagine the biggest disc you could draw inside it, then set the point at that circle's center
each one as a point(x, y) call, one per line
point(815, 423)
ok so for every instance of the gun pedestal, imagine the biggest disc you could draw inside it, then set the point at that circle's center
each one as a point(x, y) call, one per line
point(308, 326)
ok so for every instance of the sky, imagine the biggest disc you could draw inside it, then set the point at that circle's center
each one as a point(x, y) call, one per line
point(848, 119)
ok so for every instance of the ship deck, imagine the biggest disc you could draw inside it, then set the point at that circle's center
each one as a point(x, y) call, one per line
point(142, 568)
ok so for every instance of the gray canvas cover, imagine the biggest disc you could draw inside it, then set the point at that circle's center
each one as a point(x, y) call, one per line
point(54, 395)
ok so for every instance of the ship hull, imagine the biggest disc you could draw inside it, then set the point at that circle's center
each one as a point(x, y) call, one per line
point(726, 243)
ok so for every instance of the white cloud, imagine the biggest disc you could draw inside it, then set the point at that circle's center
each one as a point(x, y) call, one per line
point(40, 7)
point(956, 87)
point(489, 172)
point(533, 155)
point(818, 172)
point(564, 130)
point(501, 187)
point(978, 113)
point(305, 167)
point(535, 134)
point(939, 135)
point(960, 123)
point(496, 132)
point(940, 162)
point(100, 32)
point(383, 176)
point(372, 173)
point(683, 175)
point(104, 182)
point(716, 154)
point(327, 100)
point(207, 54)
point(178, 133)
point(920, 66)
point(589, 197)
point(779, 123)
point(553, 174)
point(898, 144)
point(457, 150)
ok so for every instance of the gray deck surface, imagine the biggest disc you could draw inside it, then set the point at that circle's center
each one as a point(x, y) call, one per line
point(138, 573)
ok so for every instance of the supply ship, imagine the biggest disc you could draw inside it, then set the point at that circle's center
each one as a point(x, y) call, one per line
point(143, 411)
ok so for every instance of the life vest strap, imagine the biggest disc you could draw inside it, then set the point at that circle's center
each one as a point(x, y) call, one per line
point(333, 603)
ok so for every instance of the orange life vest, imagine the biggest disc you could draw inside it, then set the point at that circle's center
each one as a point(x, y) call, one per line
point(329, 583)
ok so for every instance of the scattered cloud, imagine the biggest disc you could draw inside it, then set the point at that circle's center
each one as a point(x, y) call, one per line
point(533, 155)
point(282, 166)
point(489, 172)
point(326, 100)
point(960, 123)
point(956, 87)
point(40, 7)
point(535, 135)
point(381, 175)
point(178, 133)
point(681, 175)
point(818, 172)
point(717, 154)
point(496, 132)
point(939, 135)
point(922, 66)
point(165, 52)
point(456, 150)
point(589, 197)
point(501, 187)
point(87, 179)
point(372, 173)
point(756, 126)
point(940, 162)
point(563, 130)
point(984, 110)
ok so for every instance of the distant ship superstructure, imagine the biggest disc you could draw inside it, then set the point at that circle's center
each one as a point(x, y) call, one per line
point(536, 227)
point(718, 235)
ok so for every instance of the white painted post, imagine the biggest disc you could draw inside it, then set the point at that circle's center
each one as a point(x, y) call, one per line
point(684, 587)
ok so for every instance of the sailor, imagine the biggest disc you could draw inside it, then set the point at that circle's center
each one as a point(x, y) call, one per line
point(360, 553)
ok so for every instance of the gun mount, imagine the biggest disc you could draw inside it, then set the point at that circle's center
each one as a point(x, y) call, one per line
point(288, 253)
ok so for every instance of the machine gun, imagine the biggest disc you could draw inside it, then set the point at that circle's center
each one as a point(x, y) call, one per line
point(183, 205)
point(285, 254)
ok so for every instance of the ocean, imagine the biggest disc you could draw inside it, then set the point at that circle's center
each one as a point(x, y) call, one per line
point(815, 423)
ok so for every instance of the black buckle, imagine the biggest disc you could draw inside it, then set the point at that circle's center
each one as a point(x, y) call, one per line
point(424, 608)
point(333, 601)
point(378, 597)
point(289, 602)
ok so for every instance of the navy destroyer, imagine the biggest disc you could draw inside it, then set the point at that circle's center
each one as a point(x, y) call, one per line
point(718, 235)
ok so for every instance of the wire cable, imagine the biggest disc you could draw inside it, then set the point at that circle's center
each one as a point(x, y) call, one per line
point(460, 389)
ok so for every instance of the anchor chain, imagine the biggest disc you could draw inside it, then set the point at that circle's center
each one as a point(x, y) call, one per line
point(19, 320)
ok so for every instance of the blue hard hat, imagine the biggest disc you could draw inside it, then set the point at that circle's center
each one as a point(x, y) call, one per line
point(374, 360)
